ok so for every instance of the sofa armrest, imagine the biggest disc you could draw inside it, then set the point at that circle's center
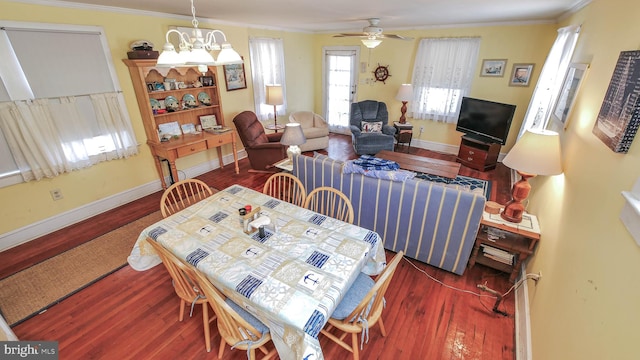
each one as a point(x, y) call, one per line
point(355, 130)
point(275, 137)
point(269, 145)
point(388, 129)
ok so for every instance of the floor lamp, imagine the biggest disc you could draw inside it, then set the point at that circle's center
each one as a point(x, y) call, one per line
point(275, 98)
point(405, 93)
point(536, 153)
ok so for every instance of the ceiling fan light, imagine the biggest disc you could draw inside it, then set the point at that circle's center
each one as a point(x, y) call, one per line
point(371, 43)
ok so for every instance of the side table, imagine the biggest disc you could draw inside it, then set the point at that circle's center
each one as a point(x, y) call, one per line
point(404, 133)
point(503, 245)
point(274, 127)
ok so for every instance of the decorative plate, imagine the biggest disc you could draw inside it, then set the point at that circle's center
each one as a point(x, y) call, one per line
point(155, 104)
point(204, 98)
point(171, 103)
point(189, 101)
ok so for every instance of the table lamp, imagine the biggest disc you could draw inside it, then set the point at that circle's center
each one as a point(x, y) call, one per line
point(405, 93)
point(536, 153)
point(293, 136)
point(275, 98)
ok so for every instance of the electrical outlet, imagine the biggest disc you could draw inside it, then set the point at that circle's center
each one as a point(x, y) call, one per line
point(56, 194)
point(536, 277)
point(421, 129)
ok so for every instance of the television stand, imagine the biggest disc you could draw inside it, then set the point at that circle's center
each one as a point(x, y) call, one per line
point(478, 154)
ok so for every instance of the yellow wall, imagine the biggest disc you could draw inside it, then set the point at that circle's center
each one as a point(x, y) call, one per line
point(585, 305)
point(583, 308)
point(518, 44)
point(31, 202)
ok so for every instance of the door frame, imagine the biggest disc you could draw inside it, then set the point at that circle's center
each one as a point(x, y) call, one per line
point(356, 75)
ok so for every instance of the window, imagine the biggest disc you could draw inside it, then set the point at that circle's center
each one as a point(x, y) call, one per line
point(550, 82)
point(442, 75)
point(61, 108)
point(267, 68)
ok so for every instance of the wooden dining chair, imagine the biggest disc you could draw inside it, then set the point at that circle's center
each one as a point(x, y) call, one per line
point(182, 194)
point(331, 202)
point(361, 308)
point(186, 288)
point(236, 326)
point(285, 187)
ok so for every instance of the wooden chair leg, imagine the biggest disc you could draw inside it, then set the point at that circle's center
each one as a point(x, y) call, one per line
point(222, 346)
point(205, 322)
point(382, 329)
point(182, 303)
point(354, 344)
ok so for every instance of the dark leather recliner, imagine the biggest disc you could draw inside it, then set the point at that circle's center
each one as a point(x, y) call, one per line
point(370, 111)
point(262, 149)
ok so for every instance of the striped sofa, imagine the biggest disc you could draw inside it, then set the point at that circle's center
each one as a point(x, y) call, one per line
point(428, 221)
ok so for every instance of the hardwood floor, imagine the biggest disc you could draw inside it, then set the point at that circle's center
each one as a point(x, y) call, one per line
point(134, 315)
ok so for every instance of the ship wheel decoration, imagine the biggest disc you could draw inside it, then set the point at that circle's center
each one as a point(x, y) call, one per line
point(381, 73)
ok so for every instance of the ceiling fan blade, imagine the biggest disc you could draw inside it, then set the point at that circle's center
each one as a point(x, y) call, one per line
point(393, 36)
point(353, 34)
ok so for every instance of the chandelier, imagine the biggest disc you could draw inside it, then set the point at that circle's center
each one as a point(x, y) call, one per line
point(194, 49)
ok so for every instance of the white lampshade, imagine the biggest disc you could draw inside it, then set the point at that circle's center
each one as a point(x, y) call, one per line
point(537, 153)
point(371, 43)
point(405, 93)
point(169, 56)
point(293, 135)
point(228, 56)
point(274, 95)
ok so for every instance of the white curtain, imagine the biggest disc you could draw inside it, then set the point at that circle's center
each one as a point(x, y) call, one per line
point(442, 75)
point(48, 137)
point(551, 78)
point(267, 68)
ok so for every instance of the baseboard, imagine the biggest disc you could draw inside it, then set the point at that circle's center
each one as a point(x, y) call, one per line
point(523, 320)
point(62, 220)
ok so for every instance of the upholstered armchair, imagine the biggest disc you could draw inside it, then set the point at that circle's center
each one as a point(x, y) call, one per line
point(315, 129)
point(369, 129)
point(262, 149)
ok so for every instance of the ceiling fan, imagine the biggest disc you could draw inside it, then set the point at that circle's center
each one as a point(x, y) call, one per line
point(371, 35)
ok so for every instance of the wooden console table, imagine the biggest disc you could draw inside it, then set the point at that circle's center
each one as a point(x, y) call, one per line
point(188, 144)
point(444, 168)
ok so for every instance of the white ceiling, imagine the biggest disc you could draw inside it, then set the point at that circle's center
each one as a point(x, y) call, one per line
point(351, 15)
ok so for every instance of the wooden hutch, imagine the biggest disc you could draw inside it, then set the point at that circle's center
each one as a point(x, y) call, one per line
point(158, 106)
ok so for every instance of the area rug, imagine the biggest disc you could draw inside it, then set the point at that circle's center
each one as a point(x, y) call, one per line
point(45, 284)
point(466, 181)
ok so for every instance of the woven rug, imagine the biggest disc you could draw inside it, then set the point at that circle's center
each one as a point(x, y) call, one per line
point(471, 183)
point(29, 292)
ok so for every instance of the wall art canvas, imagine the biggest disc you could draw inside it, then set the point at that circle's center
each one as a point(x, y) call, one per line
point(618, 120)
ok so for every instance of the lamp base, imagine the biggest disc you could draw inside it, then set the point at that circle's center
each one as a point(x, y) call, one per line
point(514, 209)
point(293, 150)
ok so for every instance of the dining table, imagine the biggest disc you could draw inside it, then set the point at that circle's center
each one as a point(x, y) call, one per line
point(291, 274)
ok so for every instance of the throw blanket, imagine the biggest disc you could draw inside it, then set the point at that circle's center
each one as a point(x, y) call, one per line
point(369, 162)
point(371, 166)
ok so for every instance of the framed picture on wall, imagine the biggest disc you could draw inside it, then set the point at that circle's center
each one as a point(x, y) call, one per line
point(493, 67)
point(521, 74)
point(234, 77)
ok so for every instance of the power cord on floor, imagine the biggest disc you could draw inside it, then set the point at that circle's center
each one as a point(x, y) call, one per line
point(495, 294)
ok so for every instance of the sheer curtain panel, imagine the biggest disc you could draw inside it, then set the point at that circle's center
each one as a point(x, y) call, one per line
point(61, 108)
point(442, 75)
point(267, 68)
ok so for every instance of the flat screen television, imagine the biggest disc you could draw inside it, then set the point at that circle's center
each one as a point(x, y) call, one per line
point(485, 120)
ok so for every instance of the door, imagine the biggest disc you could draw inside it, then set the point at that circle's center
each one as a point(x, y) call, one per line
point(340, 79)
